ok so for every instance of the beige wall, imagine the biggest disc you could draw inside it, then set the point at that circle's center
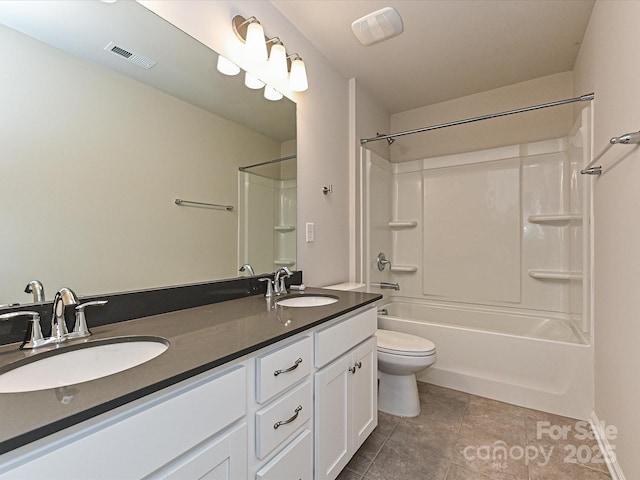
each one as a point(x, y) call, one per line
point(91, 164)
point(608, 65)
point(510, 130)
point(323, 113)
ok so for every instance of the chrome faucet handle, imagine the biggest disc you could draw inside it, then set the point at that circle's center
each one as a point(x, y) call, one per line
point(33, 336)
point(269, 293)
point(382, 261)
point(80, 329)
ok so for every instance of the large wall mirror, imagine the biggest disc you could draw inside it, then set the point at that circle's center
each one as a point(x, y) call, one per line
point(96, 149)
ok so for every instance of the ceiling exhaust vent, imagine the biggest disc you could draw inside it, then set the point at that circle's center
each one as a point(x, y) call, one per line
point(134, 58)
point(377, 26)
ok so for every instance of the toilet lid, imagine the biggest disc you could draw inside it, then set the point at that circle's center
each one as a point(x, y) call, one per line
point(404, 344)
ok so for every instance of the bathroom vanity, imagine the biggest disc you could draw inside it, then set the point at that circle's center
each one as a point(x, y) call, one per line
point(246, 389)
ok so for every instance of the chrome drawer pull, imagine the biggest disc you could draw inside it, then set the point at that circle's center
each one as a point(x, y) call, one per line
point(290, 369)
point(284, 422)
point(353, 369)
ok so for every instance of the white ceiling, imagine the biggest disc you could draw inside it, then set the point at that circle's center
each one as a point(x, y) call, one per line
point(449, 48)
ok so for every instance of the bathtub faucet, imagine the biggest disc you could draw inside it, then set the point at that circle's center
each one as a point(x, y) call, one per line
point(383, 311)
point(387, 285)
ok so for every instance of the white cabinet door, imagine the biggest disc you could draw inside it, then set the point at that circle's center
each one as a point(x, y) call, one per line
point(332, 419)
point(346, 408)
point(364, 397)
point(223, 458)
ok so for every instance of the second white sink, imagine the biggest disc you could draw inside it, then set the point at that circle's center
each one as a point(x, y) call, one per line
point(79, 363)
point(307, 301)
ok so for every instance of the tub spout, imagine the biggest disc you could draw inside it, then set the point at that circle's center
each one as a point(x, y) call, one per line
point(383, 311)
point(387, 285)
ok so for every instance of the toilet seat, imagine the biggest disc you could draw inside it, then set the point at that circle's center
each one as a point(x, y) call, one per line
point(398, 343)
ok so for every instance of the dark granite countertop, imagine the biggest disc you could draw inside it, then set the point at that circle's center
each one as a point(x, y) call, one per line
point(201, 339)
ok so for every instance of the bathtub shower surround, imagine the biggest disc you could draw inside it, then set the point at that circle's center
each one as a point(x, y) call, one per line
point(491, 251)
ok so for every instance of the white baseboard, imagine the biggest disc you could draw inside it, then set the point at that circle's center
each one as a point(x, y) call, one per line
point(608, 451)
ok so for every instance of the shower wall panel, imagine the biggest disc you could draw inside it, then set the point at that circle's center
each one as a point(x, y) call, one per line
point(471, 232)
point(499, 227)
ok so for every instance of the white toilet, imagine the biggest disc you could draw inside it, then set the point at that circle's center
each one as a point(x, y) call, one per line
point(400, 357)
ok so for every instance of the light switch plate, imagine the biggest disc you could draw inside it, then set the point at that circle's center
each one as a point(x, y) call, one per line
point(310, 232)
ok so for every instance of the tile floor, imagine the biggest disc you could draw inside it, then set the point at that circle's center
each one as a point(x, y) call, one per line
point(459, 436)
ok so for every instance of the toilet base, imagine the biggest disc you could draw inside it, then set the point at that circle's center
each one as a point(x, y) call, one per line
point(398, 395)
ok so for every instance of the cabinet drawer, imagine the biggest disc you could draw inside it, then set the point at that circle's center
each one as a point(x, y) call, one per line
point(333, 341)
point(292, 410)
point(295, 462)
point(278, 370)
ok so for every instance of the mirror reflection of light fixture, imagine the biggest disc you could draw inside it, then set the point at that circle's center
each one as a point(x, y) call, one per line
point(227, 67)
point(272, 94)
point(298, 78)
point(277, 64)
point(252, 82)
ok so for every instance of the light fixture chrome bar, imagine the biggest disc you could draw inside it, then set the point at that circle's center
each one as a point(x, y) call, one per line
point(625, 139)
point(179, 201)
point(277, 160)
point(393, 136)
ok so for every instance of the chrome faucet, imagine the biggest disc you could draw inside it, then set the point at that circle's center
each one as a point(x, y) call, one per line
point(279, 285)
point(35, 287)
point(248, 268)
point(33, 335)
point(64, 297)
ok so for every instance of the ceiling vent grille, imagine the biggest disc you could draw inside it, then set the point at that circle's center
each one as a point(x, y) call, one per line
point(134, 58)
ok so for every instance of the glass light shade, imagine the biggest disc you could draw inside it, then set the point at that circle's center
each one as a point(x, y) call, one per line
point(271, 93)
point(227, 67)
point(253, 82)
point(255, 47)
point(298, 78)
point(278, 62)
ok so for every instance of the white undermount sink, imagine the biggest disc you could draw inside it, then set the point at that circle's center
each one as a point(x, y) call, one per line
point(78, 363)
point(307, 301)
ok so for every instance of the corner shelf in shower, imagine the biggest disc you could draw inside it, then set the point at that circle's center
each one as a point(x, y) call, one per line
point(284, 228)
point(404, 268)
point(555, 275)
point(403, 224)
point(284, 262)
point(555, 219)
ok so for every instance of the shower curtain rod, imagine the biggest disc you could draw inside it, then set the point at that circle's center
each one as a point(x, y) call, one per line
point(392, 136)
point(291, 157)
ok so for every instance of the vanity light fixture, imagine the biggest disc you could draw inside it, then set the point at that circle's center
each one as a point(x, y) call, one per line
point(259, 48)
point(255, 48)
point(277, 64)
point(298, 78)
point(227, 67)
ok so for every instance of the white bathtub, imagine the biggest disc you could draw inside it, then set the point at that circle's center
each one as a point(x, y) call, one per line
point(538, 362)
